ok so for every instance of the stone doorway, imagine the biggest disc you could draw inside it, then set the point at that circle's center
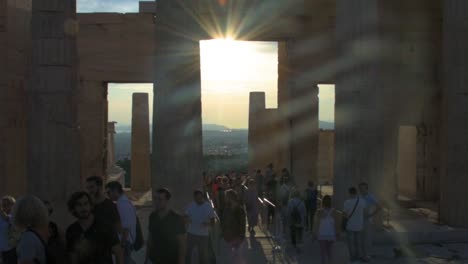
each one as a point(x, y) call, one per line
point(407, 163)
point(230, 72)
point(130, 110)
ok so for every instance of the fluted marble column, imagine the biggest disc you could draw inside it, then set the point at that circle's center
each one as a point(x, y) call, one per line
point(53, 164)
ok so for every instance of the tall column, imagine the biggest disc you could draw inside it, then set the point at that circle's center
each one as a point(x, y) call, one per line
point(284, 74)
point(256, 108)
point(92, 118)
point(303, 115)
point(358, 146)
point(53, 153)
point(14, 52)
point(177, 127)
point(454, 178)
point(111, 144)
point(140, 162)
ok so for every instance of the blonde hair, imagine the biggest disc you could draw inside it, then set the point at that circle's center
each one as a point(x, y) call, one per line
point(30, 212)
point(9, 198)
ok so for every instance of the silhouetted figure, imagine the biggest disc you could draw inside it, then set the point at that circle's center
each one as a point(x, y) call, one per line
point(167, 236)
point(90, 241)
point(251, 205)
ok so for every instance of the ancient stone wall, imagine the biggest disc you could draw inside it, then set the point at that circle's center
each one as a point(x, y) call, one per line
point(326, 157)
point(406, 166)
point(415, 31)
point(268, 136)
point(116, 47)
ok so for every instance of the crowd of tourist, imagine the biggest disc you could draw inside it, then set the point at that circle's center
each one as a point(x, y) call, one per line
point(301, 211)
point(107, 228)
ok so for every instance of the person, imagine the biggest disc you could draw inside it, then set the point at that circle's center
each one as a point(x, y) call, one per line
point(373, 208)
point(296, 212)
point(220, 198)
point(7, 250)
point(30, 215)
point(269, 174)
point(128, 218)
point(354, 209)
point(311, 195)
point(104, 210)
point(251, 205)
point(200, 216)
point(167, 236)
point(286, 176)
point(233, 230)
point(271, 192)
point(90, 241)
point(284, 194)
point(56, 240)
point(260, 183)
point(327, 228)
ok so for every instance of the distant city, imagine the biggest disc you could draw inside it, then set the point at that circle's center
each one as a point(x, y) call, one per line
point(218, 140)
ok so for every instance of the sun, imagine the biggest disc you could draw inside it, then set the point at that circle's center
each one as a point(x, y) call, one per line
point(223, 58)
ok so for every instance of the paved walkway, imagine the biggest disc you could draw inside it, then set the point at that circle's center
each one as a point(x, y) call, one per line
point(261, 248)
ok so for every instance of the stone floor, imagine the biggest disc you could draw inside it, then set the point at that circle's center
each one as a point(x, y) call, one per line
point(261, 247)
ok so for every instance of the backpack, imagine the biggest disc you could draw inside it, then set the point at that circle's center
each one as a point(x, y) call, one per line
point(138, 243)
point(295, 216)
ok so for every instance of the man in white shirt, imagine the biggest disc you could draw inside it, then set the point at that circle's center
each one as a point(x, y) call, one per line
point(128, 218)
point(354, 210)
point(199, 216)
point(373, 208)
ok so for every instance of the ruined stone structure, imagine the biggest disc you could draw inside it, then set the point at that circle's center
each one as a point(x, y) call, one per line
point(395, 63)
point(141, 175)
point(326, 157)
point(268, 140)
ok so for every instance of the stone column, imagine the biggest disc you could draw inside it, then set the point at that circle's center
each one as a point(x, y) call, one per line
point(177, 127)
point(92, 118)
point(303, 115)
point(14, 52)
point(454, 178)
point(53, 153)
point(284, 100)
point(358, 147)
point(256, 108)
point(140, 160)
point(111, 144)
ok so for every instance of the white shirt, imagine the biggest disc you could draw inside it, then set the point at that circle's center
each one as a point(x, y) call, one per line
point(127, 214)
point(199, 214)
point(356, 222)
point(327, 227)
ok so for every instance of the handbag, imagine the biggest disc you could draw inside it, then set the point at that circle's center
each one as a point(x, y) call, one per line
point(344, 224)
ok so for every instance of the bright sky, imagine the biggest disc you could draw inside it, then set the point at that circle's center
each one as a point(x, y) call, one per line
point(230, 70)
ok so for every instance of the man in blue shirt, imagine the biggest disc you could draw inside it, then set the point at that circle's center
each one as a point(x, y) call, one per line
point(373, 208)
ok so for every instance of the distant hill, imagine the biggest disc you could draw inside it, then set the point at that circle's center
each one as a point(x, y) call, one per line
point(326, 125)
point(124, 128)
point(214, 127)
